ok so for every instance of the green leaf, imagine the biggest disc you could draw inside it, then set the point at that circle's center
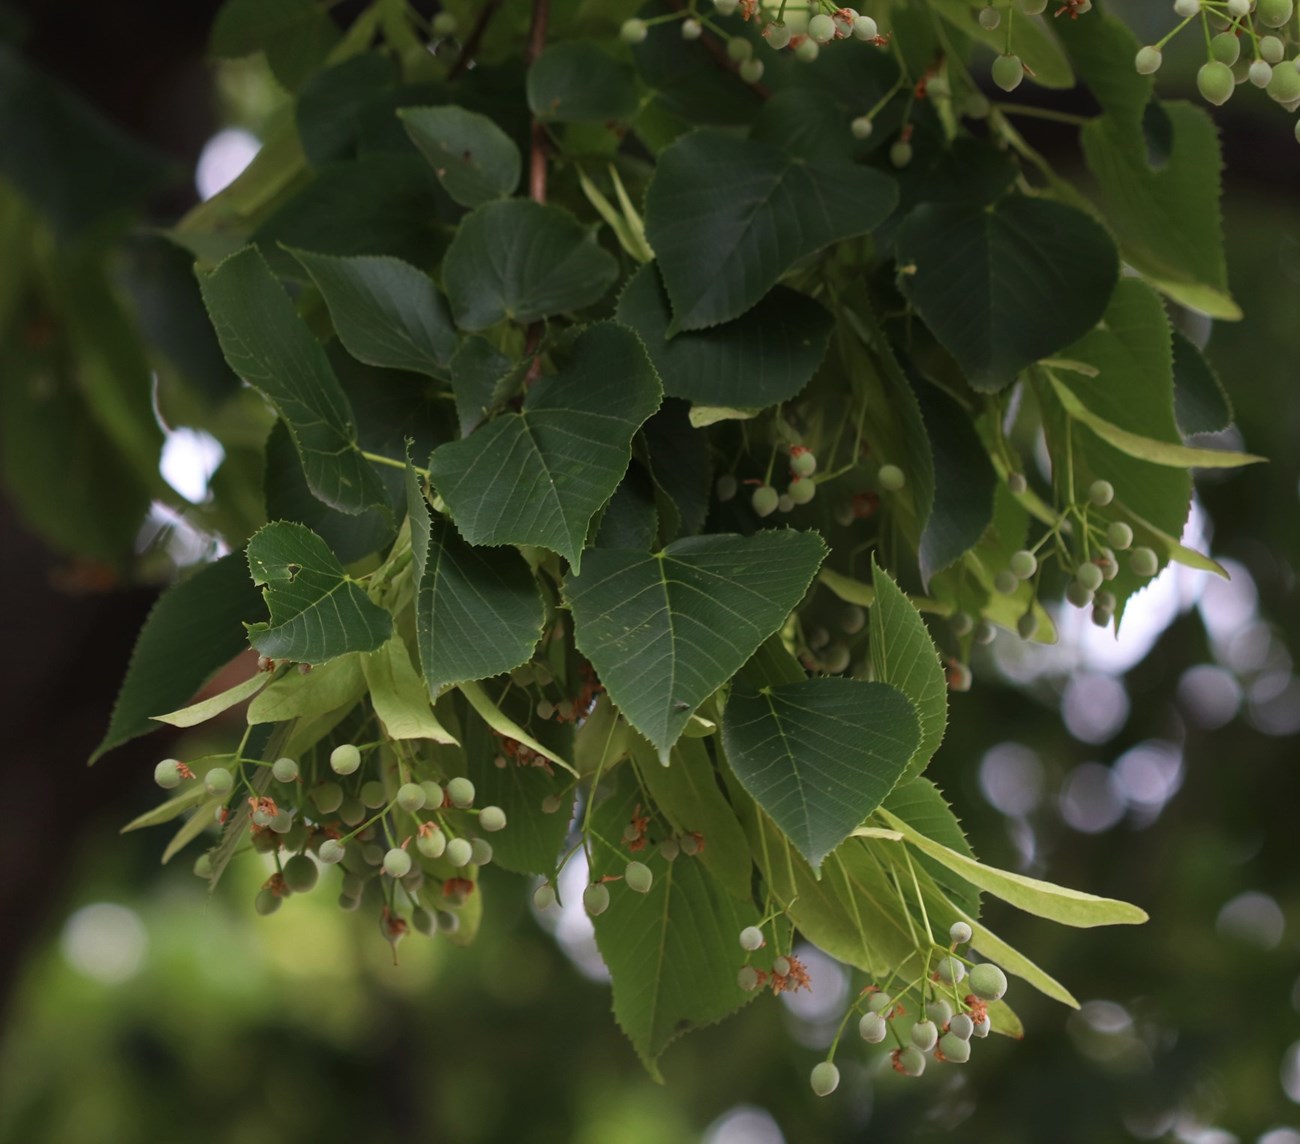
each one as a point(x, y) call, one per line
point(385, 311)
point(201, 712)
point(473, 158)
point(1006, 285)
point(520, 260)
point(676, 455)
point(689, 796)
point(399, 696)
point(665, 631)
point(819, 755)
point(1167, 220)
point(296, 35)
point(482, 377)
point(478, 611)
point(764, 357)
point(576, 81)
point(727, 217)
point(672, 954)
point(203, 818)
point(331, 687)
point(532, 841)
point(317, 610)
point(1056, 903)
point(1201, 404)
point(500, 722)
point(918, 802)
point(1167, 453)
point(964, 483)
point(539, 476)
point(268, 345)
point(903, 654)
point(335, 105)
point(195, 628)
point(173, 808)
point(602, 740)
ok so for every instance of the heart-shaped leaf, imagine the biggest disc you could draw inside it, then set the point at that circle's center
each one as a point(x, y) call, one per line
point(1004, 286)
point(727, 217)
point(520, 260)
point(578, 82)
point(477, 610)
point(385, 311)
point(270, 347)
point(666, 630)
point(473, 158)
point(764, 357)
point(317, 610)
point(539, 476)
point(819, 755)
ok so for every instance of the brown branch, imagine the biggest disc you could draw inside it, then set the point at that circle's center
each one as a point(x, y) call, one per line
point(469, 49)
point(538, 142)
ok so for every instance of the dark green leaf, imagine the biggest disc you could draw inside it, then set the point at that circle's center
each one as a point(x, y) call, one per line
point(69, 163)
point(819, 755)
point(523, 261)
point(539, 476)
point(665, 631)
point(1200, 403)
point(478, 612)
point(764, 357)
point(1002, 287)
point(268, 345)
point(576, 81)
point(676, 455)
point(473, 158)
point(375, 204)
point(296, 35)
point(195, 628)
point(964, 483)
point(385, 311)
point(672, 953)
point(630, 519)
point(317, 610)
point(334, 105)
point(919, 803)
point(482, 377)
point(1167, 220)
point(727, 217)
point(903, 654)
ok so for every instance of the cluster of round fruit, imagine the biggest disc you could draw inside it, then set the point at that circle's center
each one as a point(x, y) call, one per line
point(1008, 70)
point(946, 1028)
point(1264, 27)
point(765, 500)
point(786, 974)
point(813, 24)
point(1098, 565)
point(367, 831)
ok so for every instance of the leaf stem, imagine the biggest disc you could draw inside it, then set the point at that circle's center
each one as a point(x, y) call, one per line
point(469, 49)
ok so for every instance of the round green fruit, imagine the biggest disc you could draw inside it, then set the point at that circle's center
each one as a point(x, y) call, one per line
point(1101, 493)
point(345, 759)
point(764, 500)
point(1089, 575)
point(352, 811)
point(219, 782)
point(284, 770)
point(825, 1077)
point(910, 1061)
point(726, 487)
point(880, 1001)
point(266, 902)
point(1215, 82)
point(424, 922)
point(397, 863)
point(1078, 594)
point(1023, 564)
point(444, 24)
point(167, 774)
point(950, 970)
point(801, 490)
point(1027, 626)
point(331, 851)
point(873, 1028)
point(962, 1026)
point(633, 31)
point(747, 978)
point(891, 478)
point(988, 982)
point(1017, 484)
point(1005, 582)
point(480, 851)
point(544, 897)
point(939, 1011)
point(954, 1048)
point(461, 793)
point(751, 938)
point(492, 819)
point(328, 797)
point(925, 1035)
point(300, 874)
point(1225, 48)
point(1144, 562)
point(1008, 72)
point(459, 852)
point(1148, 60)
point(638, 877)
point(1119, 535)
point(595, 899)
point(411, 797)
point(1274, 13)
point(821, 28)
point(959, 933)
